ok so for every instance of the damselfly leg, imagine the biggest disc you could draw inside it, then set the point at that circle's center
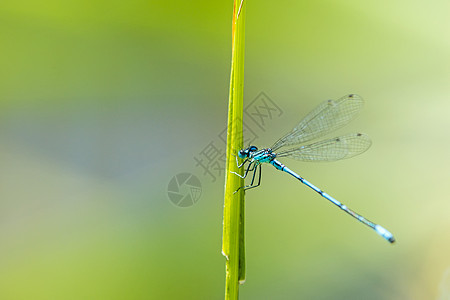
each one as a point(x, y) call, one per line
point(237, 163)
point(252, 167)
point(325, 118)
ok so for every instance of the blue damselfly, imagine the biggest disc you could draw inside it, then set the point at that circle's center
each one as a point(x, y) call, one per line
point(327, 117)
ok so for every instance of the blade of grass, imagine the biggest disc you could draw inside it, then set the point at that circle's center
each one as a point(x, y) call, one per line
point(233, 213)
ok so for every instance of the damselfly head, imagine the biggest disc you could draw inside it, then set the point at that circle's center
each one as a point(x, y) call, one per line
point(244, 153)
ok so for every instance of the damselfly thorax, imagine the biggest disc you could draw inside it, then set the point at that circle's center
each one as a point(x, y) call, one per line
point(327, 117)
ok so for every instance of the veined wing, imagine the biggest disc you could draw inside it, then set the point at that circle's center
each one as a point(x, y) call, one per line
point(327, 117)
point(332, 149)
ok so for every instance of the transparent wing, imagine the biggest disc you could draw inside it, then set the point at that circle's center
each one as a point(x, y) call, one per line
point(327, 117)
point(330, 150)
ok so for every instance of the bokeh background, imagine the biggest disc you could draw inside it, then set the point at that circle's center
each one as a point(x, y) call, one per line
point(103, 102)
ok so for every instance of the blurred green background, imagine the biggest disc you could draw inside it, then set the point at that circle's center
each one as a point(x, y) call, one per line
point(103, 102)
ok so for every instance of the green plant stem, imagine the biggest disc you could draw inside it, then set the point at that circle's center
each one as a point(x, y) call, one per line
point(233, 246)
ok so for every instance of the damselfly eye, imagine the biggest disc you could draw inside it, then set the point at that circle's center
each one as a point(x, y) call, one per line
point(326, 118)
